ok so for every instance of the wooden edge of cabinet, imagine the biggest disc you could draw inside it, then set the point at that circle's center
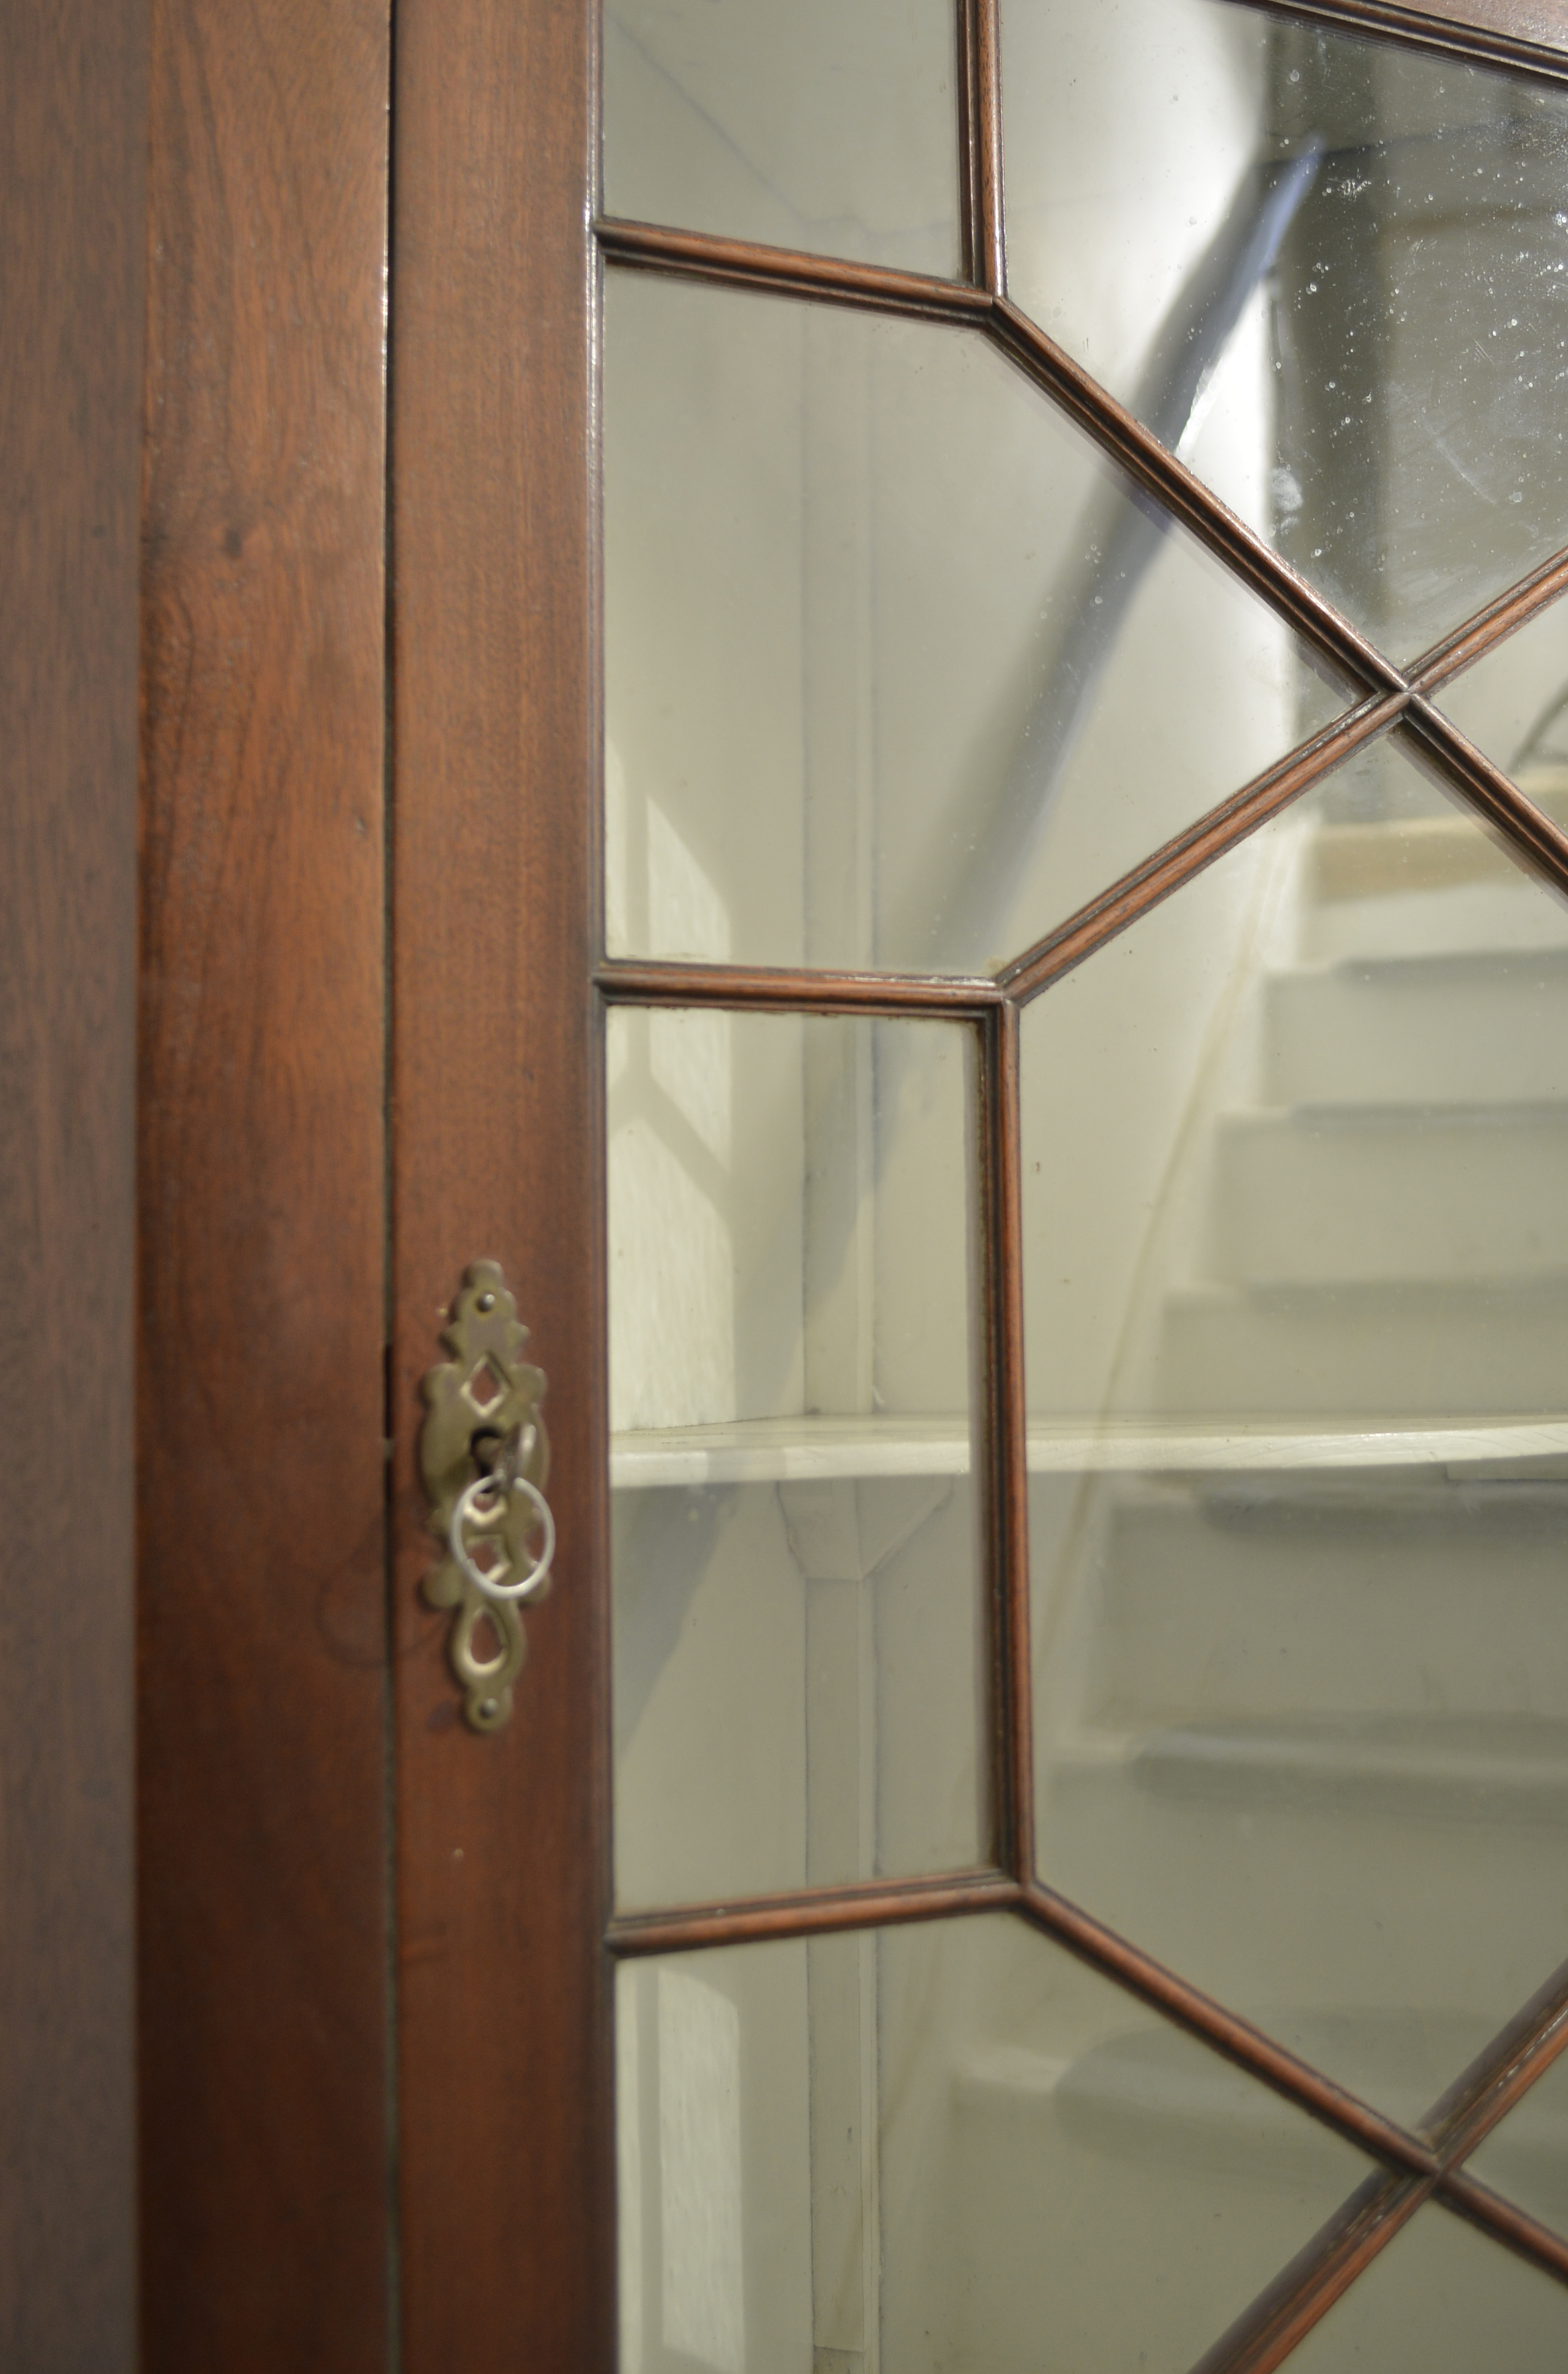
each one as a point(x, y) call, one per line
point(503, 1985)
point(73, 188)
point(1519, 33)
point(1534, 23)
point(261, 1749)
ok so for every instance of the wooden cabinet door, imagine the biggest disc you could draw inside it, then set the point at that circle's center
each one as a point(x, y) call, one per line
point(379, 1949)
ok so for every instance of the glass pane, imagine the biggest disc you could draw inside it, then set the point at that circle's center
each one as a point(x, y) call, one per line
point(1295, 1155)
point(896, 674)
point(828, 125)
point(939, 2147)
point(1442, 2300)
point(1514, 705)
point(1334, 274)
point(795, 1547)
point(1527, 2156)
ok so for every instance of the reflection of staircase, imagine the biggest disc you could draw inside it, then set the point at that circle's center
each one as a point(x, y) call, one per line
point(1312, 1749)
point(1387, 1246)
point(1144, 2186)
point(1389, 1232)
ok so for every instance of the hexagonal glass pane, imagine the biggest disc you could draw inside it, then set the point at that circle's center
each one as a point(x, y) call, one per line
point(795, 1552)
point(1361, 251)
point(830, 124)
point(898, 674)
point(935, 2147)
point(1295, 1168)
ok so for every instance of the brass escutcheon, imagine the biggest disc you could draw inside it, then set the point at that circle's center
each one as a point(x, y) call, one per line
point(482, 1415)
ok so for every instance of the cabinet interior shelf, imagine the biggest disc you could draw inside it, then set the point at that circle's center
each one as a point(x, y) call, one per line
point(804, 1450)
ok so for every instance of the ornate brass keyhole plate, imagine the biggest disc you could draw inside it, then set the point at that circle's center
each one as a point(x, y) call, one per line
point(484, 1460)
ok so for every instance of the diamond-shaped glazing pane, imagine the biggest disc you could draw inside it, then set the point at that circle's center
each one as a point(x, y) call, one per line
point(1526, 2155)
point(821, 125)
point(1295, 1173)
point(795, 1549)
point(1361, 251)
point(1441, 2299)
point(897, 674)
point(1514, 706)
point(937, 2147)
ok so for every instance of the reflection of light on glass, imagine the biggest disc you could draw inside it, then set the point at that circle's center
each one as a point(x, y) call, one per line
point(688, 1054)
point(660, 898)
point(1163, 178)
point(617, 914)
point(672, 1327)
point(672, 1288)
point(629, 2170)
point(687, 915)
point(699, 2172)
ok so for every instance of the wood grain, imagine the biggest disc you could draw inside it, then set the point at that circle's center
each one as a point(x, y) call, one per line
point(1528, 35)
point(73, 185)
point(1542, 22)
point(262, 1279)
point(507, 2149)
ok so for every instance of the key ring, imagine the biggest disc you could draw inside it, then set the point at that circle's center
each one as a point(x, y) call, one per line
point(529, 1585)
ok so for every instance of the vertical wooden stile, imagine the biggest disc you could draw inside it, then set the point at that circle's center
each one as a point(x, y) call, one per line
point(502, 1865)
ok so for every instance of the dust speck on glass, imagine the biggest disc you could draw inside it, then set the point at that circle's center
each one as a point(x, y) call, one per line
point(1086, 986)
